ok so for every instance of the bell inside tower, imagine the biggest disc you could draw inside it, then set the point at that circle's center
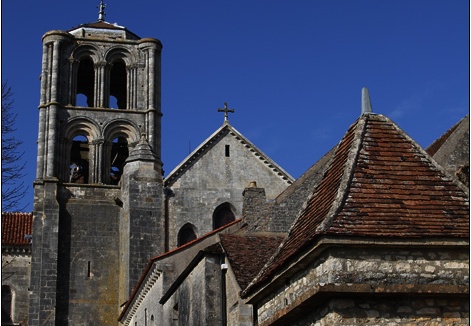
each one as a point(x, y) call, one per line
point(79, 160)
point(119, 154)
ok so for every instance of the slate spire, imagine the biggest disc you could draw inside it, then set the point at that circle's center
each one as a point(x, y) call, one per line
point(365, 101)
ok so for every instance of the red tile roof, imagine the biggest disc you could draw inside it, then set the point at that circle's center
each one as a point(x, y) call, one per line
point(248, 254)
point(380, 183)
point(15, 226)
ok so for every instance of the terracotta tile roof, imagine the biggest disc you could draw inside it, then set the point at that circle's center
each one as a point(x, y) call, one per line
point(14, 228)
point(100, 25)
point(380, 183)
point(248, 254)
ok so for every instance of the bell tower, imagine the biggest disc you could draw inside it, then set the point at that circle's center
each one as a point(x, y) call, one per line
point(98, 187)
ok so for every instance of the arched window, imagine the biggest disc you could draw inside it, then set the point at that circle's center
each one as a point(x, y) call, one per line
point(85, 82)
point(118, 87)
point(119, 154)
point(223, 214)
point(79, 160)
point(7, 297)
point(186, 234)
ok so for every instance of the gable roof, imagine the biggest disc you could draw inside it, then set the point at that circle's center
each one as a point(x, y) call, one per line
point(380, 183)
point(144, 284)
point(103, 25)
point(16, 228)
point(247, 254)
point(451, 150)
point(205, 146)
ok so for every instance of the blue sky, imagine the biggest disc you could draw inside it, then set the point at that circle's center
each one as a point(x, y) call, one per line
point(292, 70)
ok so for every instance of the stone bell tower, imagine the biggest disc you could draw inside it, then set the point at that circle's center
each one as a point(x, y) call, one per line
point(98, 188)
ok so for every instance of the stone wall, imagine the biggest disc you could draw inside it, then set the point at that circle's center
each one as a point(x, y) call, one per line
point(16, 274)
point(216, 178)
point(372, 270)
point(199, 296)
point(238, 313)
point(409, 311)
point(88, 263)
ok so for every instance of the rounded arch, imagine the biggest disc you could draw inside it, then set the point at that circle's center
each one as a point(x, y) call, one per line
point(122, 128)
point(85, 51)
point(223, 214)
point(81, 125)
point(119, 136)
point(118, 52)
point(118, 60)
point(78, 158)
point(85, 58)
point(186, 234)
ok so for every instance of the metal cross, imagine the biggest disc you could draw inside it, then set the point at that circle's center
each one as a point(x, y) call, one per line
point(226, 111)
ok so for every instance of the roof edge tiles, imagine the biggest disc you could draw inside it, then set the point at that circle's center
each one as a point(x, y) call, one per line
point(16, 229)
point(373, 153)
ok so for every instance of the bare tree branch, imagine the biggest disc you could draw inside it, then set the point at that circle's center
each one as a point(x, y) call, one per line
point(13, 188)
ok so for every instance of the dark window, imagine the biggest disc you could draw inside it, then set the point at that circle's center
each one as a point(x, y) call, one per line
point(86, 82)
point(186, 234)
point(228, 153)
point(79, 161)
point(119, 154)
point(223, 215)
point(118, 85)
point(6, 305)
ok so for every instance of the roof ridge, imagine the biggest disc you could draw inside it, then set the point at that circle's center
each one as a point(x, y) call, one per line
point(354, 141)
point(222, 131)
point(345, 182)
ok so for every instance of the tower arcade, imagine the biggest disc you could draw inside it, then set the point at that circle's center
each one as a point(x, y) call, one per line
point(98, 152)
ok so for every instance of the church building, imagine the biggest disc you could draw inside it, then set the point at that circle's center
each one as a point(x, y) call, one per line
point(375, 232)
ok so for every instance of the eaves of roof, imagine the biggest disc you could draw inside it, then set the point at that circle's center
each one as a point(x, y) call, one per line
point(17, 229)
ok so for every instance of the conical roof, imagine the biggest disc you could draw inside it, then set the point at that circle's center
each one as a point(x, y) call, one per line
point(379, 183)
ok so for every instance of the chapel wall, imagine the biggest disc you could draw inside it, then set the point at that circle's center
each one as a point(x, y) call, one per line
point(16, 268)
point(374, 267)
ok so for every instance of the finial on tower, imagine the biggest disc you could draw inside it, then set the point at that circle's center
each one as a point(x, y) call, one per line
point(101, 13)
point(365, 101)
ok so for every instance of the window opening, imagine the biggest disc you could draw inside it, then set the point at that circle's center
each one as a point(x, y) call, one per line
point(79, 160)
point(119, 154)
point(228, 150)
point(89, 274)
point(186, 234)
point(222, 215)
point(175, 315)
point(81, 100)
point(6, 305)
point(118, 87)
point(85, 82)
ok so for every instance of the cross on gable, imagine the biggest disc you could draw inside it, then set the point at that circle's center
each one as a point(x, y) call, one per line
point(226, 110)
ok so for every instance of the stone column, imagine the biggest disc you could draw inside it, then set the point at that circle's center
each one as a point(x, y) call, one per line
point(101, 85)
point(53, 112)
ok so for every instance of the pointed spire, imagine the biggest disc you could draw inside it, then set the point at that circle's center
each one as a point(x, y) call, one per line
point(365, 101)
point(101, 13)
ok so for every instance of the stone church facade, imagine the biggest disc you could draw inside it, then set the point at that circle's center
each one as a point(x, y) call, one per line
point(228, 237)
